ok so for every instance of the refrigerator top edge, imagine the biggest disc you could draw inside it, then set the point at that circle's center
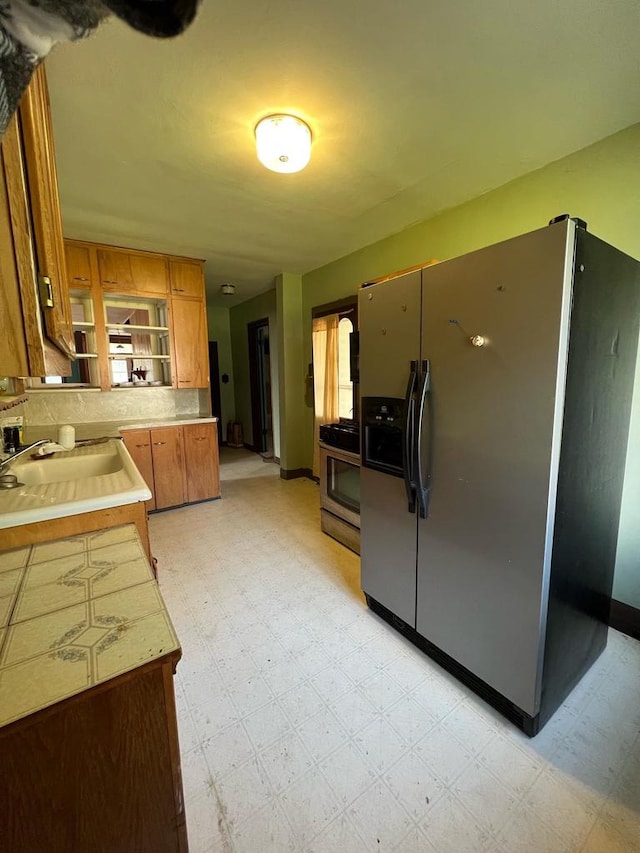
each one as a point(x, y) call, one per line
point(566, 224)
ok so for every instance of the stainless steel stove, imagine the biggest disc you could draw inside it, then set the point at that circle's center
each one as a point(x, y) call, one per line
point(340, 482)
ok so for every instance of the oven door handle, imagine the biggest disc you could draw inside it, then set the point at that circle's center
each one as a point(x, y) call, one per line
point(408, 454)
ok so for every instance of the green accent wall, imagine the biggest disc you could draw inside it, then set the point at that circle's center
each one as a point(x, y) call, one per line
point(241, 315)
point(220, 331)
point(295, 392)
point(600, 184)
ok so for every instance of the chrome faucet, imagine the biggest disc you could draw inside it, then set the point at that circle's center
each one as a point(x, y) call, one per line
point(8, 462)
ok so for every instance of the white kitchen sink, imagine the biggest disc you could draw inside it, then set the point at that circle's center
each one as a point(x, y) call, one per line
point(68, 483)
point(63, 467)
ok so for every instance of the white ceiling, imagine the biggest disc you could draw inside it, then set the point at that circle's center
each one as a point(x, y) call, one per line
point(415, 106)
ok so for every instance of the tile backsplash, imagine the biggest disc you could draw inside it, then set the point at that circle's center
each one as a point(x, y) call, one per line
point(76, 407)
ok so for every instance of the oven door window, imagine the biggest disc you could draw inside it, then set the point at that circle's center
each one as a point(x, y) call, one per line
point(343, 483)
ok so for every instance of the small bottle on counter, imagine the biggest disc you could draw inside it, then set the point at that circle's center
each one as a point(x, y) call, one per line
point(67, 436)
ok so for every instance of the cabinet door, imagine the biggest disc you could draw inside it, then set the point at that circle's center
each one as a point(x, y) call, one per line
point(201, 461)
point(130, 272)
point(78, 260)
point(168, 466)
point(187, 278)
point(190, 343)
point(138, 443)
point(37, 134)
point(13, 349)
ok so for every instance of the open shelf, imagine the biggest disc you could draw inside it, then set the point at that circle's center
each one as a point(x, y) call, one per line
point(132, 356)
point(129, 328)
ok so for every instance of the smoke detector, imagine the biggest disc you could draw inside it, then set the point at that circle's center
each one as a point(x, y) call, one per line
point(227, 289)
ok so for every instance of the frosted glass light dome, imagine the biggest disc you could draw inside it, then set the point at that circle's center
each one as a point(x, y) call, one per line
point(283, 143)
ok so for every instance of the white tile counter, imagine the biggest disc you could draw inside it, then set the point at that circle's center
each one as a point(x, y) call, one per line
point(75, 613)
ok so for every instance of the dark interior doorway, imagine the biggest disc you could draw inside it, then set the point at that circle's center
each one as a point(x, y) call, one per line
point(260, 381)
point(214, 386)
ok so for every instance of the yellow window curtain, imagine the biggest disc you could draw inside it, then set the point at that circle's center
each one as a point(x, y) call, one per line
point(325, 377)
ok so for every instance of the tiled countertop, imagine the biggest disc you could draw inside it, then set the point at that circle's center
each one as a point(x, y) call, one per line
point(75, 613)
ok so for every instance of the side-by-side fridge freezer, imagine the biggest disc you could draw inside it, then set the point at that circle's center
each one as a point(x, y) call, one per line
point(496, 394)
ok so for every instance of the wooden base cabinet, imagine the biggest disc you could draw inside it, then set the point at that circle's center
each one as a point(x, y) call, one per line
point(97, 773)
point(200, 447)
point(138, 443)
point(167, 453)
point(180, 464)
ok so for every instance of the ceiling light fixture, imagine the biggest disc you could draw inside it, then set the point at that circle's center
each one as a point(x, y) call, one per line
point(227, 289)
point(283, 143)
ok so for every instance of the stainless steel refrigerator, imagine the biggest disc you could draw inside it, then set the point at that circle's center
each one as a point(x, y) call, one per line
point(496, 395)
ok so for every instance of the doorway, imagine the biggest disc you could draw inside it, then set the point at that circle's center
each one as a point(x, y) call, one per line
point(214, 387)
point(260, 382)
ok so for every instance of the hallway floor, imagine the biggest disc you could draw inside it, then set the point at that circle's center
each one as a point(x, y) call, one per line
point(308, 724)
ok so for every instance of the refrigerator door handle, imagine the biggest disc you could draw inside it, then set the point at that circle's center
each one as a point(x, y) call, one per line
point(423, 491)
point(407, 439)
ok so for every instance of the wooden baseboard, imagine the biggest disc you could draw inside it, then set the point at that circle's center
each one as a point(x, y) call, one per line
point(295, 473)
point(623, 617)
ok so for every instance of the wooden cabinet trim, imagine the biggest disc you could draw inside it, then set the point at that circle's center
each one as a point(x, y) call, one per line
point(71, 525)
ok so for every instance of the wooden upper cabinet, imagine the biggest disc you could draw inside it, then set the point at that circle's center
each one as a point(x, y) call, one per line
point(125, 271)
point(35, 338)
point(190, 343)
point(186, 278)
point(42, 183)
point(13, 346)
point(78, 258)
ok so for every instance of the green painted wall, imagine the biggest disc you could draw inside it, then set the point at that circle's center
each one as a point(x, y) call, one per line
point(260, 306)
point(294, 386)
point(220, 331)
point(600, 184)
